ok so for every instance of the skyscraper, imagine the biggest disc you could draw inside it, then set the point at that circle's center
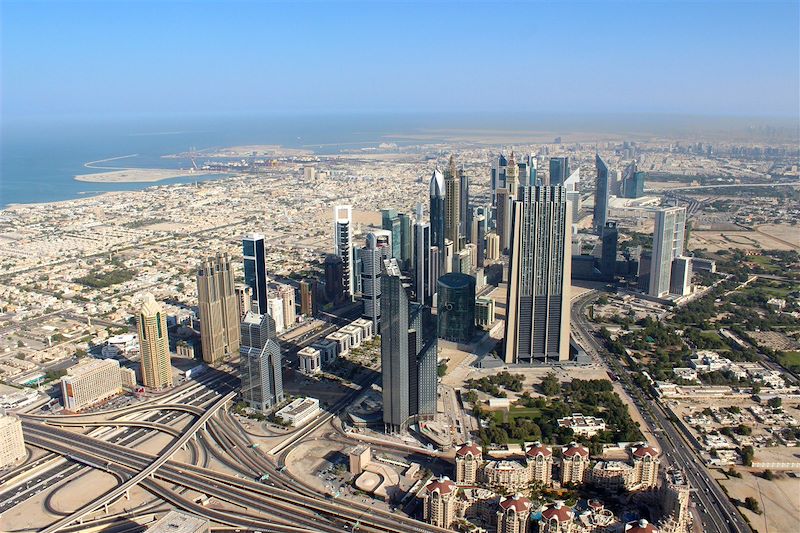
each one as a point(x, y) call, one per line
point(308, 297)
point(334, 277)
point(219, 312)
point(154, 345)
point(287, 295)
point(423, 265)
point(408, 355)
point(437, 200)
point(559, 170)
point(668, 236)
point(456, 307)
point(505, 199)
point(608, 259)
point(244, 300)
point(463, 206)
point(391, 222)
point(372, 256)
point(343, 244)
point(572, 184)
point(406, 240)
point(452, 205)
point(260, 362)
point(498, 176)
point(478, 233)
point(255, 268)
point(537, 321)
point(633, 182)
point(600, 195)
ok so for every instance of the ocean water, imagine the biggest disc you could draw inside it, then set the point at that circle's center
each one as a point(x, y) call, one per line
point(40, 157)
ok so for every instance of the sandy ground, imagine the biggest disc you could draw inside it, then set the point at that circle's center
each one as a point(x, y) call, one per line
point(779, 499)
point(250, 150)
point(767, 237)
point(135, 175)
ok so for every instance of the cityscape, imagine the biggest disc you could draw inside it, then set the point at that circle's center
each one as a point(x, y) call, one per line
point(529, 324)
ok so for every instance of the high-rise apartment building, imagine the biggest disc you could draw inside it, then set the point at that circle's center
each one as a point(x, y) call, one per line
point(89, 382)
point(498, 176)
point(244, 300)
point(408, 355)
point(334, 277)
point(680, 281)
point(343, 245)
point(308, 289)
point(391, 222)
point(440, 502)
point(255, 268)
point(219, 309)
point(513, 513)
point(260, 362)
point(465, 214)
point(406, 240)
point(372, 257)
point(668, 236)
point(600, 194)
point(12, 442)
point(452, 205)
point(154, 345)
point(287, 296)
point(559, 170)
point(574, 464)
point(275, 306)
point(537, 321)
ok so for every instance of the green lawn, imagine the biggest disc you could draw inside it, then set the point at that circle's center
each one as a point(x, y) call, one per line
point(517, 412)
point(789, 359)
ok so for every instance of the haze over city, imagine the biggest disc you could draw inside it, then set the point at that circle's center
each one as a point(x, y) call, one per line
point(499, 267)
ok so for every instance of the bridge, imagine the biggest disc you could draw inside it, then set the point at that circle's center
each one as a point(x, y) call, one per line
point(149, 470)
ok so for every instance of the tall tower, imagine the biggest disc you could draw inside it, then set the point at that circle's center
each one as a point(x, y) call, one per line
point(260, 362)
point(424, 269)
point(219, 313)
point(452, 205)
point(372, 256)
point(255, 268)
point(600, 195)
point(608, 259)
point(154, 345)
point(559, 170)
point(498, 176)
point(465, 215)
point(437, 198)
point(391, 222)
point(343, 244)
point(537, 321)
point(668, 235)
point(408, 355)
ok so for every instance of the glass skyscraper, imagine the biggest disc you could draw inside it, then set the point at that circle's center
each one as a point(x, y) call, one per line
point(456, 307)
point(559, 170)
point(600, 195)
point(255, 268)
point(260, 362)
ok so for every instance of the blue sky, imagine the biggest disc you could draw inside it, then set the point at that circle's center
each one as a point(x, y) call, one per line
point(116, 57)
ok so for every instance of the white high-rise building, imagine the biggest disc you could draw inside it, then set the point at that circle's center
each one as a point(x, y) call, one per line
point(12, 443)
point(89, 382)
point(154, 345)
point(343, 244)
point(668, 237)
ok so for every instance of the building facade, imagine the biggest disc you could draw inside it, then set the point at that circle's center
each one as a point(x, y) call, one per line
point(468, 462)
point(219, 309)
point(537, 316)
point(154, 345)
point(260, 363)
point(668, 241)
point(601, 192)
point(89, 382)
point(456, 307)
point(372, 256)
point(574, 464)
point(439, 500)
point(513, 513)
point(255, 268)
point(343, 245)
point(452, 205)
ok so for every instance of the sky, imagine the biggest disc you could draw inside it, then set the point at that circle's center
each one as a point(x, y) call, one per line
point(89, 58)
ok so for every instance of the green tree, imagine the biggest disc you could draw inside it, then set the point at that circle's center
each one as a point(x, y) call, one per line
point(550, 385)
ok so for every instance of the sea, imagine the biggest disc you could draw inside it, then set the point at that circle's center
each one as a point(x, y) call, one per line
point(39, 157)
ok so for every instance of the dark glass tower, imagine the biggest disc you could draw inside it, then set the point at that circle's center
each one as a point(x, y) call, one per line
point(437, 198)
point(260, 362)
point(600, 195)
point(408, 355)
point(559, 170)
point(255, 268)
point(334, 288)
point(608, 259)
point(456, 307)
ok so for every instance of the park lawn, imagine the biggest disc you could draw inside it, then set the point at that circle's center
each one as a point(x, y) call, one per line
point(789, 359)
point(517, 412)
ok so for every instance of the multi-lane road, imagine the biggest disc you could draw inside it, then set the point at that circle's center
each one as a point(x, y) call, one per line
point(715, 510)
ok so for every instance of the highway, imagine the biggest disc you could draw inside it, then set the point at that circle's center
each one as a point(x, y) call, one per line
point(716, 511)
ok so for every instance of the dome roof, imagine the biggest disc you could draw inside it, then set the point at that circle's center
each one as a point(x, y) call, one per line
point(557, 511)
point(469, 448)
point(537, 449)
point(640, 526)
point(443, 485)
point(576, 449)
point(518, 502)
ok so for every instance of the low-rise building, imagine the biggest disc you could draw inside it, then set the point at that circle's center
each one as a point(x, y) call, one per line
point(611, 476)
point(342, 341)
point(310, 360)
point(89, 382)
point(367, 333)
point(328, 350)
point(586, 426)
point(511, 475)
point(127, 378)
point(484, 312)
point(299, 411)
point(356, 335)
point(360, 456)
point(180, 522)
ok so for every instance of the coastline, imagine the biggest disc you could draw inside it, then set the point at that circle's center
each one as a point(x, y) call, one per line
point(138, 175)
